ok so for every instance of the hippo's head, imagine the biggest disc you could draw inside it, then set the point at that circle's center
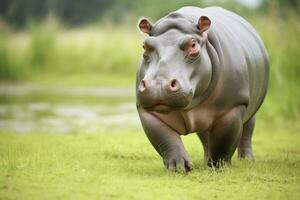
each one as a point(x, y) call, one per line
point(175, 67)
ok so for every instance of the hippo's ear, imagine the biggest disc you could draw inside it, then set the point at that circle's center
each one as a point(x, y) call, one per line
point(203, 23)
point(145, 26)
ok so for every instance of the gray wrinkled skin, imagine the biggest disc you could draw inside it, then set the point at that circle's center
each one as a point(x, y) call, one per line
point(215, 94)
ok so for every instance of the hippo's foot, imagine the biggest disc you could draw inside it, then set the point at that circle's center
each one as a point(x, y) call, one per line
point(166, 142)
point(218, 163)
point(246, 153)
point(178, 162)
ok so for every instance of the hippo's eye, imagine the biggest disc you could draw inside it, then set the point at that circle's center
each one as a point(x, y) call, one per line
point(146, 57)
point(192, 48)
point(147, 50)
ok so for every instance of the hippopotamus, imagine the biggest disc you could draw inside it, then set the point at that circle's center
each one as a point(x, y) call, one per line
point(203, 71)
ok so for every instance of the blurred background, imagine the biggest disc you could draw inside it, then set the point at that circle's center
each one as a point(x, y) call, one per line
point(68, 66)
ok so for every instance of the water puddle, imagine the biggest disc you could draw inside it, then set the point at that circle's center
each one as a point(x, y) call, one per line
point(42, 109)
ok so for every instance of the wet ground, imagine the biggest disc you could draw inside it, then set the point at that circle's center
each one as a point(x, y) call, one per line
point(44, 109)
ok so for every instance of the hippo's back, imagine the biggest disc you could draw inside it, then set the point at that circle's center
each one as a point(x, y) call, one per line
point(239, 38)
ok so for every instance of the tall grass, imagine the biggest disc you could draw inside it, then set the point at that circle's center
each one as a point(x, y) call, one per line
point(52, 50)
point(47, 49)
point(281, 36)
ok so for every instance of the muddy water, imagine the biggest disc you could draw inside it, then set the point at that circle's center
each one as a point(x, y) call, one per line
point(44, 109)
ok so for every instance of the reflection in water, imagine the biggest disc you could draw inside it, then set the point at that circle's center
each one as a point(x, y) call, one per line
point(40, 109)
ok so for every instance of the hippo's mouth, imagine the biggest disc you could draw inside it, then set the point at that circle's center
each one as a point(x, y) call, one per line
point(163, 108)
point(164, 104)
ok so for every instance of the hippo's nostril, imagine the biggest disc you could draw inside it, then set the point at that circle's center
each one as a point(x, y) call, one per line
point(143, 85)
point(173, 85)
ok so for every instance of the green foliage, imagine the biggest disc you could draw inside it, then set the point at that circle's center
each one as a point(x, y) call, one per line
point(78, 12)
point(41, 47)
point(279, 6)
point(147, 8)
point(281, 37)
point(71, 12)
point(125, 166)
point(11, 62)
point(6, 67)
point(47, 49)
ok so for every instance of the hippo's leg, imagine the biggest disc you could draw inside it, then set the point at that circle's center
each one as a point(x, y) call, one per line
point(204, 140)
point(224, 136)
point(167, 143)
point(245, 147)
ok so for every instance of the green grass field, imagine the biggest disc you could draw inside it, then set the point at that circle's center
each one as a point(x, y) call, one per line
point(125, 166)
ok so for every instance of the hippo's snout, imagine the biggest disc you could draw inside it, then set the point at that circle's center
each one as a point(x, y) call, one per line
point(169, 86)
point(163, 95)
